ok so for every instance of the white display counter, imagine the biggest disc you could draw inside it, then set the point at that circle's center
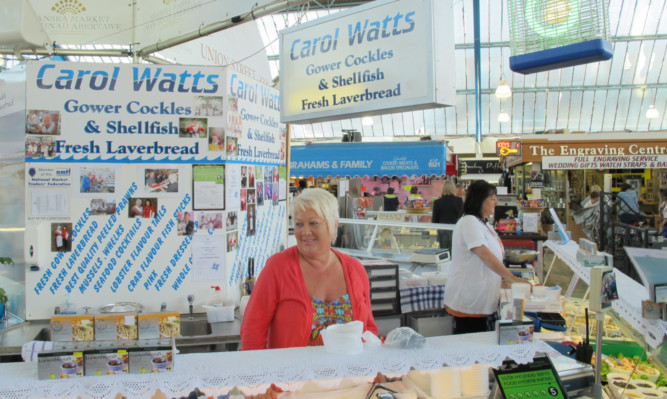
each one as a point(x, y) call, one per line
point(630, 294)
point(216, 373)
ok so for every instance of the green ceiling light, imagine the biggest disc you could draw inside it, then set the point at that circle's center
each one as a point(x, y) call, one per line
point(552, 18)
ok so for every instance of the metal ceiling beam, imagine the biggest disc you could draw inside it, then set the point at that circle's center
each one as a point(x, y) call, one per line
point(220, 26)
point(461, 46)
point(541, 89)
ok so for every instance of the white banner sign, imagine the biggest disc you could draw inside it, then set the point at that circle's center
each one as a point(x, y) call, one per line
point(384, 56)
point(119, 158)
point(605, 162)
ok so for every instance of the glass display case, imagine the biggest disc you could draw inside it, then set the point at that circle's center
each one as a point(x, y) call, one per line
point(626, 333)
point(391, 240)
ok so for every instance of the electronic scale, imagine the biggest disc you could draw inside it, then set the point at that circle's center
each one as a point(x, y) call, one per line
point(431, 256)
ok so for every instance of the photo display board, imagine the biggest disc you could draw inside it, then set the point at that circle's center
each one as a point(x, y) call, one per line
point(147, 183)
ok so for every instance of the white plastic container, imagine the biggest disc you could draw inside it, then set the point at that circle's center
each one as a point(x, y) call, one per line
point(217, 314)
point(343, 339)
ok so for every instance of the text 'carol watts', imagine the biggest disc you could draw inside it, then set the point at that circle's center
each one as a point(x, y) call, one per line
point(251, 91)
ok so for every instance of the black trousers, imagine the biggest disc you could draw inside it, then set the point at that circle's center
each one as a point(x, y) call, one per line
point(465, 325)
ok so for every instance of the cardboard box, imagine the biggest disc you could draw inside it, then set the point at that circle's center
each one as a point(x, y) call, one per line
point(159, 325)
point(121, 326)
point(514, 332)
point(59, 365)
point(106, 362)
point(151, 360)
point(72, 328)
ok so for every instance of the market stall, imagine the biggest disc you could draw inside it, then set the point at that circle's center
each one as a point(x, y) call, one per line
point(561, 169)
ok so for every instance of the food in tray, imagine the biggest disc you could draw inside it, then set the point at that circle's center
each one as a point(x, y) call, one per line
point(644, 370)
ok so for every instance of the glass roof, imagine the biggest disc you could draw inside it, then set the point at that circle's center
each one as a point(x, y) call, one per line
point(604, 96)
point(608, 96)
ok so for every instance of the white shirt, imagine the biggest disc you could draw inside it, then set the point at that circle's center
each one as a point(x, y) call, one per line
point(472, 287)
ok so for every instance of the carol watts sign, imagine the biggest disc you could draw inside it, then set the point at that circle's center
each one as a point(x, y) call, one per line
point(385, 56)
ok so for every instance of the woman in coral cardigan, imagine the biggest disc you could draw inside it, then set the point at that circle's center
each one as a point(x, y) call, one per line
point(306, 288)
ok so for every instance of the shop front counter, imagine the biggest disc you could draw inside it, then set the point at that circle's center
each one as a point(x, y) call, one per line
point(254, 371)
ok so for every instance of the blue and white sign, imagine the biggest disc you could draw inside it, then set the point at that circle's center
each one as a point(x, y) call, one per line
point(384, 56)
point(369, 159)
point(110, 152)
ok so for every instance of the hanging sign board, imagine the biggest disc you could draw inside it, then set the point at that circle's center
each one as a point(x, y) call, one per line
point(508, 147)
point(384, 56)
point(605, 162)
point(479, 166)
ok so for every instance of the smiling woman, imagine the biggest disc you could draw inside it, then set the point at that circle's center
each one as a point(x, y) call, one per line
point(308, 287)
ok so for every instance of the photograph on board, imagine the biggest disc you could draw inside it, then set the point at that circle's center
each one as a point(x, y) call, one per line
point(232, 241)
point(274, 193)
point(100, 206)
point(61, 237)
point(259, 173)
point(40, 147)
point(268, 187)
point(192, 127)
point(160, 180)
point(216, 139)
point(232, 146)
point(244, 198)
point(234, 124)
point(208, 106)
point(233, 104)
point(232, 220)
point(209, 221)
point(97, 179)
point(186, 224)
point(42, 122)
point(251, 177)
point(251, 196)
point(260, 193)
point(244, 176)
point(142, 207)
point(252, 220)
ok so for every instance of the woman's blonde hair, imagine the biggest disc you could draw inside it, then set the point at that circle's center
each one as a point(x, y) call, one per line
point(323, 203)
point(448, 188)
point(597, 188)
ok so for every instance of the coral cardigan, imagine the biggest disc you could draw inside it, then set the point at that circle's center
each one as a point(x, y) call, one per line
point(280, 312)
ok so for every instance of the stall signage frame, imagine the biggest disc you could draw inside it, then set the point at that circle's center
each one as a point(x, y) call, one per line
point(588, 146)
point(480, 166)
point(604, 162)
point(353, 63)
point(369, 159)
point(508, 147)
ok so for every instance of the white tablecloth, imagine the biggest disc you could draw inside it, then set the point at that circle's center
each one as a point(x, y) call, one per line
point(216, 373)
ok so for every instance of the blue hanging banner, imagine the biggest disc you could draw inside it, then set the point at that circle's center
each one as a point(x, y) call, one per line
point(369, 159)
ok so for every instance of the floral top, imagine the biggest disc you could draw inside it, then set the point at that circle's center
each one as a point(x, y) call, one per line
point(325, 314)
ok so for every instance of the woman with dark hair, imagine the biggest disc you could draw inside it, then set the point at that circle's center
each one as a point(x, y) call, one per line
point(473, 287)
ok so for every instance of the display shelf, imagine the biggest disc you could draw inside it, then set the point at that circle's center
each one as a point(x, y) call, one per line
point(630, 293)
point(386, 239)
point(217, 373)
